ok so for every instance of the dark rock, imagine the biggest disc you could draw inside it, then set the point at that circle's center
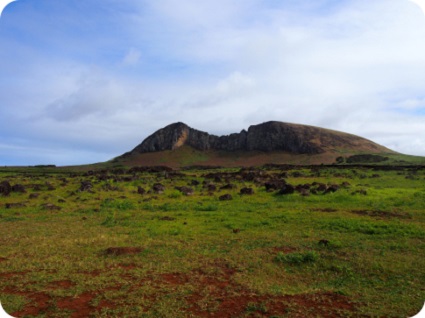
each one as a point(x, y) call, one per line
point(50, 187)
point(158, 188)
point(86, 186)
point(225, 197)
point(287, 189)
point(211, 187)
point(5, 188)
point(50, 207)
point(321, 187)
point(274, 185)
point(194, 182)
point(185, 190)
point(140, 190)
point(332, 188)
point(302, 187)
point(247, 191)
point(304, 192)
point(34, 195)
point(228, 187)
point(14, 205)
point(18, 188)
point(345, 184)
point(324, 242)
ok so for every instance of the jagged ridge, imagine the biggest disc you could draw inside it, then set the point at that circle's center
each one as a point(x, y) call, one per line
point(268, 136)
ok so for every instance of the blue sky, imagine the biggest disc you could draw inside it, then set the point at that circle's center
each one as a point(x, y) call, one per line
point(85, 81)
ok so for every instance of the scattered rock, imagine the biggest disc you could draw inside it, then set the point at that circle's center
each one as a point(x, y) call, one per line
point(185, 190)
point(287, 189)
point(86, 186)
point(50, 207)
point(274, 185)
point(332, 188)
point(140, 190)
point(225, 197)
point(211, 187)
point(14, 205)
point(194, 182)
point(18, 188)
point(34, 195)
point(228, 186)
point(158, 188)
point(324, 242)
point(247, 191)
point(319, 187)
point(5, 188)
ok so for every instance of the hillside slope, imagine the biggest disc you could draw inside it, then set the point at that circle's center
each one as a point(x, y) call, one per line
point(178, 145)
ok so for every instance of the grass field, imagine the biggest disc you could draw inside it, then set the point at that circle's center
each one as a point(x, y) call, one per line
point(348, 242)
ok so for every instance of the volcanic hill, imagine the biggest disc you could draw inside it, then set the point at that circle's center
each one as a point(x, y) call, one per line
point(178, 145)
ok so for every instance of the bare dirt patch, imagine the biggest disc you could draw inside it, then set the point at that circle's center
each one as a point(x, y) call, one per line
point(382, 214)
point(12, 274)
point(117, 251)
point(39, 302)
point(79, 305)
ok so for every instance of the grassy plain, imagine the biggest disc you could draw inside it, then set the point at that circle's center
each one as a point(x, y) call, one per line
point(89, 245)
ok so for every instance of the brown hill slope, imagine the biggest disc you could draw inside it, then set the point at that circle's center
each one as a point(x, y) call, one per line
point(179, 145)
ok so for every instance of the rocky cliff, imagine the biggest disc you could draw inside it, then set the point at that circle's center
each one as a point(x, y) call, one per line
point(267, 137)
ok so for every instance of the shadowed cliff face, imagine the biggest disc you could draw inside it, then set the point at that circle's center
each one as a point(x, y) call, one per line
point(268, 137)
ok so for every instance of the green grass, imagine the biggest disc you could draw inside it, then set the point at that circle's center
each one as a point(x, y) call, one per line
point(258, 255)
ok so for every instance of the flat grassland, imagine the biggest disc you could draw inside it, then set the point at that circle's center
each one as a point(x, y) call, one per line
point(335, 242)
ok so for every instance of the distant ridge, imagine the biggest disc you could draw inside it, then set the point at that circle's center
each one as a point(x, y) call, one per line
point(274, 142)
point(268, 136)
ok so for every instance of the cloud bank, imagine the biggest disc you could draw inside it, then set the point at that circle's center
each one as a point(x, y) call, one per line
point(85, 82)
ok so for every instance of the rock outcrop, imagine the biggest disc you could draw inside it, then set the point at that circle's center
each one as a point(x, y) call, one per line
point(267, 137)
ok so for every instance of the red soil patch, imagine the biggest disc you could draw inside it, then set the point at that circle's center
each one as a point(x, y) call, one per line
point(80, 305)
point(175, 278)
point(39, 302)
point(214, 293)
point(127, 266)
point(2, 259)
point(12, 274)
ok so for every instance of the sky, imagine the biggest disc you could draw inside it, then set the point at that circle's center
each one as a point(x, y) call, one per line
point(85, 81)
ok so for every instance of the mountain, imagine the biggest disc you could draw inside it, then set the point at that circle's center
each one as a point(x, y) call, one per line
point(270, 142)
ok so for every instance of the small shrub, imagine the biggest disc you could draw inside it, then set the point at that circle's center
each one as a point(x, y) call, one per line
point(175, 194)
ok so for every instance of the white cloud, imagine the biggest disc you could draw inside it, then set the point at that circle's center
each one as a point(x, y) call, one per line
point(132, 57)
point(220, 66)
